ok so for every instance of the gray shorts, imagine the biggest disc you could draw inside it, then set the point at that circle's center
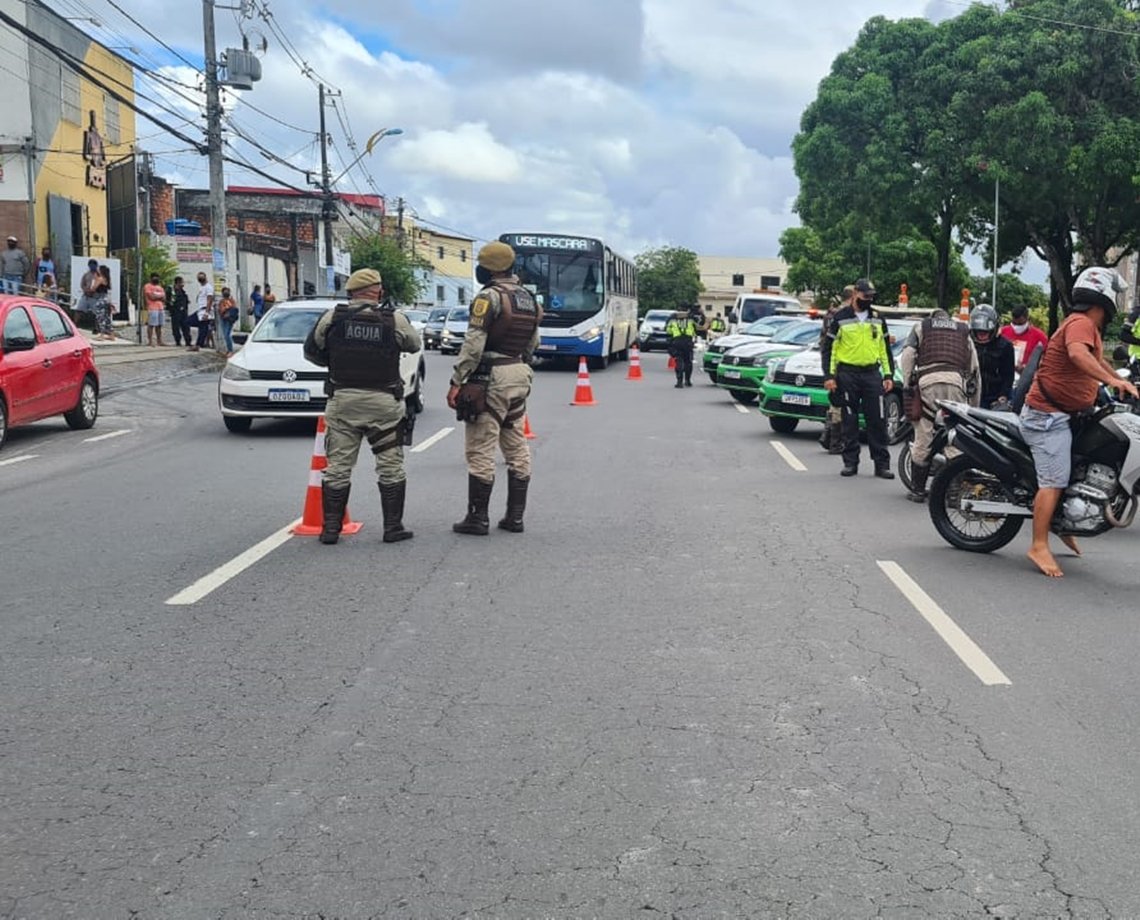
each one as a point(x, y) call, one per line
point(1051, 440)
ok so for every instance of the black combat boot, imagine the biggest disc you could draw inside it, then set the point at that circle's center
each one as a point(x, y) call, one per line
point(835, 439)
point(516, 503)
point(333, 503)
point(679, 384)
point(918, 476)
point(477, 522)
point(392, 503)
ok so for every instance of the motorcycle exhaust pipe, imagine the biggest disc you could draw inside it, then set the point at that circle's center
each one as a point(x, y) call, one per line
point(1128, 518)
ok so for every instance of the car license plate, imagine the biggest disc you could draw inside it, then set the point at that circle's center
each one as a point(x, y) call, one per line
point(545, 347)
point(796, 399)
point(732, 375)
point(288, 395)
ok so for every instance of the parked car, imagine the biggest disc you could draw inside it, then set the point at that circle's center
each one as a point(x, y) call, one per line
point(418, 319)
point(454, 331)
point(47, 366)
point(742, 369)
point(270, 377)
point(651, 333)
point(760, 330)
point(433, 328)
point(792, 390)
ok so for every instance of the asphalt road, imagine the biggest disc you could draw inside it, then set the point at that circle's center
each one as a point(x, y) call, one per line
point(691, 689)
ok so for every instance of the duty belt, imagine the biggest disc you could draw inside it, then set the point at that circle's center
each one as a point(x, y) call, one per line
point(855, 367)
point(502, 362)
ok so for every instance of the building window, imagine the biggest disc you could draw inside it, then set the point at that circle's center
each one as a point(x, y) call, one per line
point(462, 255)
point(769, 281)
point(69, 96)
point(738, 281)
point(462, 296)
point(439, 293)
point(439, 251)
point(111, 119)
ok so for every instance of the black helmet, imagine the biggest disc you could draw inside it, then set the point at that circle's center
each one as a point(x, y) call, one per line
point(1097, 287)
point(983, 318)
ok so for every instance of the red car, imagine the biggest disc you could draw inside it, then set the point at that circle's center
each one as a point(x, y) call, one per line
point(46, 366)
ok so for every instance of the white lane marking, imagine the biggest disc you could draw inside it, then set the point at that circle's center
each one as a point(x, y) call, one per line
point(233, 568)
point(742, 409)
point(433, 440)
point(791, 459)
point(952, 634)
point(19, 459)
point(108, 436)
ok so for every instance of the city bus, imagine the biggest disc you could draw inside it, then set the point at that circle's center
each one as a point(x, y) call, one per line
point(587, 291)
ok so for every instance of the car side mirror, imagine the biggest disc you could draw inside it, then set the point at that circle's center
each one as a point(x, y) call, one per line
point(20, 344)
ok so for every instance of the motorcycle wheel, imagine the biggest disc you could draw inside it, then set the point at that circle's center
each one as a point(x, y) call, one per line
point(905, 466)
point(974, 533)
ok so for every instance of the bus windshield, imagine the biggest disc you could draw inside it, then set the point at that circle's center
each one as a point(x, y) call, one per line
point(564, 283)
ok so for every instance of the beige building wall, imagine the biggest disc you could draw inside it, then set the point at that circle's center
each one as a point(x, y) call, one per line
point(725, 277)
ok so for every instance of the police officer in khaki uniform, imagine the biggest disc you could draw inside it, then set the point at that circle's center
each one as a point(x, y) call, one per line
point(490, 386)
point(360, 343)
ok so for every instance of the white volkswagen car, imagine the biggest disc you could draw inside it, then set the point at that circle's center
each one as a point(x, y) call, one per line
point(270, 378)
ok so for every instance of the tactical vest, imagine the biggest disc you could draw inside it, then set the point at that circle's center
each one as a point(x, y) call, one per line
point(519, 315)
point(945, 346)
point(362, 348)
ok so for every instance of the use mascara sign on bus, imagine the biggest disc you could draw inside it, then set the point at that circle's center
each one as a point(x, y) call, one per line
point(536, 241)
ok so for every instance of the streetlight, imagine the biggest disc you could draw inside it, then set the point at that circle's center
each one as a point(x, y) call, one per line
point(368, 148)
point(984, 167)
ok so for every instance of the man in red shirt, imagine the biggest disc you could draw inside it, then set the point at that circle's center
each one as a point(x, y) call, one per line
point(1023, 335)
point(1066, 381)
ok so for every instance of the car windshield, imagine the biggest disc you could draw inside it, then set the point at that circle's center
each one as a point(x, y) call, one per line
point(437, 316)
point(796, 333)
point(286, 325)
point(458, 316)
point(768, 325)
point(658, 315)
point(420, 316)
point(899, 331)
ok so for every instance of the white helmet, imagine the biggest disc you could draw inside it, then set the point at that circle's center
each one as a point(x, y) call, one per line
point(1097, 287)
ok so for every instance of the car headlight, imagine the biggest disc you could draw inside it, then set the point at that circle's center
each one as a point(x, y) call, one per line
point(236, 372)
point(592, 333)
point(446, 334)
point(770, 375)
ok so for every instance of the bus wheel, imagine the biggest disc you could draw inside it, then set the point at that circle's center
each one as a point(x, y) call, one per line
point(600, 362)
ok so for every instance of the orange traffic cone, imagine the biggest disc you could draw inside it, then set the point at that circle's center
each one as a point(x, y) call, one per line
point(672, 363)
point(634, 363)
point(527, 433)
point(584, 394)
point(312, 517)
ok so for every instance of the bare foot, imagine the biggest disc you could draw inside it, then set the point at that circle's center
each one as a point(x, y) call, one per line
point(1071, 542)
point(1044, 560)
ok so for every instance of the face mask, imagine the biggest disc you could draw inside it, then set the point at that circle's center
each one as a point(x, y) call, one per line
point(863, 303)
point(1020, 328)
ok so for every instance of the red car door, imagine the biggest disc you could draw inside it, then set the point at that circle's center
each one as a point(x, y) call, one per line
point(61, 359)
point(21, 366)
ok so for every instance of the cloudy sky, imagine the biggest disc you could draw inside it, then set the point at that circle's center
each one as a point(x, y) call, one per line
point(651, 122)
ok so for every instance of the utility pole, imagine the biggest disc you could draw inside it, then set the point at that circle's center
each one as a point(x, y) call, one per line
point(997, 186)
point(326, 198)
point(400, 223)
point(217, 177)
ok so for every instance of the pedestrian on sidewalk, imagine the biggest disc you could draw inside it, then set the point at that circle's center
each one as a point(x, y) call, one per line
point(45, 265)
point(102, 307)
point(84, 310)
point(13, 267)
point(204, 312)
point(154, 295)
point(270, 299)
point(257, 303)
point(228, 314)
point(179, 313)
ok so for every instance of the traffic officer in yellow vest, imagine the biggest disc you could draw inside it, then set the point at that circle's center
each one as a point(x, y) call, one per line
point(858, 364)
point(1130, 336)
point(717, 327)
point(490, 385)
point(939, 356)
point(360, 343)
point(682, 332)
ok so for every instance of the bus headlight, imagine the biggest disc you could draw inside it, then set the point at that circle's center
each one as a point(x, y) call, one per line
point(590, 334)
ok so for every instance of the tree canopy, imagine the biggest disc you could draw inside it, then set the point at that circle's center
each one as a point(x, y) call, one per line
point(396, 267)
point(668, 278)
point(917, 122)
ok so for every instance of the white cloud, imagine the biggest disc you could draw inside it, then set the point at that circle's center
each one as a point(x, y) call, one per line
point(468, 152)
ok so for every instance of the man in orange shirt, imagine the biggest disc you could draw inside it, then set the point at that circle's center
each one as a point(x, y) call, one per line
point(1066, 381)
point(154, 296)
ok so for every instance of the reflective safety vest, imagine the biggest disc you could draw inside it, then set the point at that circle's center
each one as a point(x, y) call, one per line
point(681, 329)
point(718, 325)
point(860, 344)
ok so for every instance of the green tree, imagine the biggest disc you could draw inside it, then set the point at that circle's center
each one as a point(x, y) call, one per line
point(668, 278)
point(396, 267)
point(1011, 292)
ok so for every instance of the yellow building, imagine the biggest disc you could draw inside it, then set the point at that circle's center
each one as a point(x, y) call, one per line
point(450, 280)
point(60, 131)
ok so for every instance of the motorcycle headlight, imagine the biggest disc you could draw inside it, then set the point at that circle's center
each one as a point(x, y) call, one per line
point(592, 333)
point(235, 372)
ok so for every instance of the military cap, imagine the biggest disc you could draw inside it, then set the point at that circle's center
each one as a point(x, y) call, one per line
point(497, 257)
point(362, 278)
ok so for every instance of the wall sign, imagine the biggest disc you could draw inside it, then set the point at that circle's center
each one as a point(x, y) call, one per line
point(94, 152)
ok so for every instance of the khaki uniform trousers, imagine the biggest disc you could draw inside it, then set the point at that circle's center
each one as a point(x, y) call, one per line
point(501, 425)
point(924, 428)
point(352, 415)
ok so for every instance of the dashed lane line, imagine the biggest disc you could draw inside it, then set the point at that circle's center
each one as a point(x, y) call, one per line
point(223, 573)
point(19, 459)
point(107, 436)
point(952, 634)
point(433, 440)
point(742, 409)
point(791, 459)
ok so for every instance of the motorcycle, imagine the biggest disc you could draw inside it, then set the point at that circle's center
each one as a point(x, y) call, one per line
point(980, 499)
